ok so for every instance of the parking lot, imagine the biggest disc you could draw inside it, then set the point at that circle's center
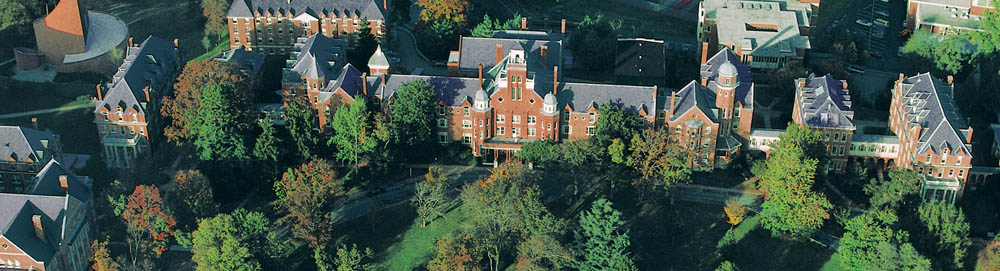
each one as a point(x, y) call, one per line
point(879, 23)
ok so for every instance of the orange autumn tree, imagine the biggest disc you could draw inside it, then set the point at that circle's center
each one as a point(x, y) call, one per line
point(180, 109)
point(453, 255)
point(310, 193)
point(101, 257)
point(149, 223)
point(450, 11)
point(735, 211)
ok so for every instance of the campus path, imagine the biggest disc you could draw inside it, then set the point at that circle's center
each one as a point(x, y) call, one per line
point(47, 111)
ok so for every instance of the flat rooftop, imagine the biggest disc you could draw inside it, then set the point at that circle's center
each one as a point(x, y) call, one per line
point(762, 28)
point(951, 16)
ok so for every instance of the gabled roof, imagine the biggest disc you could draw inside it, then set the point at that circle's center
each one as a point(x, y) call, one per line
point(318, 57)
point(16, 225)
point(581, 96)
point(349, 80)
point(710, 71)
point(930, 104)
point(369, 9)
point(249, 61)
point(152, 63)
point(824, 103)
point(476, 51)
point(694, 96)
point(21, 143)
point(47, 183)
point(452, 90)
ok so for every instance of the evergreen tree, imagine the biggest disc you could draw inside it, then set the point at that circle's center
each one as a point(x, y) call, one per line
point(217, 135)
point(266, 147)
point(300, 120)
point(601, 241)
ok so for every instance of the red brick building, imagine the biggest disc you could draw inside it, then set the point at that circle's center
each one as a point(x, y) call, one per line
point(712, 118)
point(127, 113)
point(824, 104)
point(272, 26)
point(933, 138)
point(766, 34)
point(24, 153)
point(49, 226)
point(946, 16)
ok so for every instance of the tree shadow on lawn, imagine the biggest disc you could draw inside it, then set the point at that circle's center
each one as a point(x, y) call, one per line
point(760, 251)
point(151, 17)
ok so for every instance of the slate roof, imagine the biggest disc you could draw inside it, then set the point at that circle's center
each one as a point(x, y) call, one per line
point(580, 96)
point(694, 96)
point(152, 63)
point(47, 183)
point(475, 51)
point(349, 80)
point(249, 61)
point(369, 9)
point(317, 57)
point(742, 15)
point(16, 211)
point(710, 71)
point(824, 103)
point(640, 57)
point(930, 103)
point(452, 90)
point(21, 143)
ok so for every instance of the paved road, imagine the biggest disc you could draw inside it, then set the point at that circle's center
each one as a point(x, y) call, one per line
point(47, 111)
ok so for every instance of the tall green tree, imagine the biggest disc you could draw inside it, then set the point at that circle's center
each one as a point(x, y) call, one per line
point(602, 243)
point(218, 246)
point(215, 17)
point(944, 232)
point(727, 266)
point(364, 46)
point(266, 146)
point(413, 114)
point(486, 28)
point(870, 243)
point(657, 162)
point(430, 197)
point(352, 133)
point(12, 13)
point(445, 11)
point(790, 203)
point(181, 109)
point(594, 42)
point(949, 53)
point(300, 120)
point(194, 191)
point(987, 40)
point(505, 209)
point(217, 135)
point(892, 192)
point(310, 193)
point(350, 258)
point(543, 252)
point(614, 121)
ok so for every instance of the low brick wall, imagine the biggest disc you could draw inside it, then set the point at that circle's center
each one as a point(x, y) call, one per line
point(28, 59)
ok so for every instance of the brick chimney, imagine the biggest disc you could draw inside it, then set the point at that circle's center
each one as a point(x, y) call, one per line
point(524, 23)
point(385, 4)
point(562, 26)
point(802, 83)
point(34, 123)
point(146, 90)
point(845, 84)
point(176, 43)
point(739, 51)
point(901, 76)
point(704, 52)
point(555, 79)
point(480, 75)
point(542, 51)
point(968, 135)
point(499, 53)
point(99, 97)
point(130, 43)
point(673, 95)
point(36, 220)
point(951, 79)
point(64, 182)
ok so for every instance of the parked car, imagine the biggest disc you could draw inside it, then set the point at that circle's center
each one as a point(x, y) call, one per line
point(863, 22)
point(882, 12)
point(856, 68)
point(393, 60)
point(882, 22)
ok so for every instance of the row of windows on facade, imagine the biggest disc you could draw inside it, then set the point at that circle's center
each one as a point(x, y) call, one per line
point(944, 159)
point(114, 129)
point(20, 166)
point(442, 110)
point(304, 23)
point(120, 115)
point(281, 31)
point(16, 180)
point(837, 137)
point(515, 132)
point(940, 173)
point(10, 263)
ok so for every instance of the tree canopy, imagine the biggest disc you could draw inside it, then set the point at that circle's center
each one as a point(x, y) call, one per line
point(594, 42)
point(430, 197)
point(150, 224)
point(352, 132)
point(266, 146)
point(194, 190)
point(657, 162)
point(217, 135)
point(892, 192)
point(300, 120)
point(486, 28)
point(215, 17)
point(309, 193)
point(870, 243)
point(218, 245)
point(413, 114)
point(452, 12)
point(944, 233)
point(181, 110)
point(790, 204)
point(949, 53)
point(602, 243)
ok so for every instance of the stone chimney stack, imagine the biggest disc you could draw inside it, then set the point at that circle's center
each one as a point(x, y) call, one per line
point(802, 83)
point(499, 53)
point(176, 43)
point(901, 76)
point(562, 26)
point(385, 4)
point(36, 221)
point(845, 84)
point(673, 95)
point(968, 135)
point(64, 182)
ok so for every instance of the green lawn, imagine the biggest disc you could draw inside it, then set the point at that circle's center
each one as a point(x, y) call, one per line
point(833, 264)
point(180, 19)
point(418, 244)
point(214, 52)
point(645, 22)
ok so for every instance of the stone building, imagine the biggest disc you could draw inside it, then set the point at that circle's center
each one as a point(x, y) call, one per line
point(946, 16)
point(765, 34)
point(49, 226)
point(273, 26)
point(127, 111)
point(824, 104)
point(25, 152)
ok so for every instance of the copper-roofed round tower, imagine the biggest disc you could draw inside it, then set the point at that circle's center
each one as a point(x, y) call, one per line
point(73, 39)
